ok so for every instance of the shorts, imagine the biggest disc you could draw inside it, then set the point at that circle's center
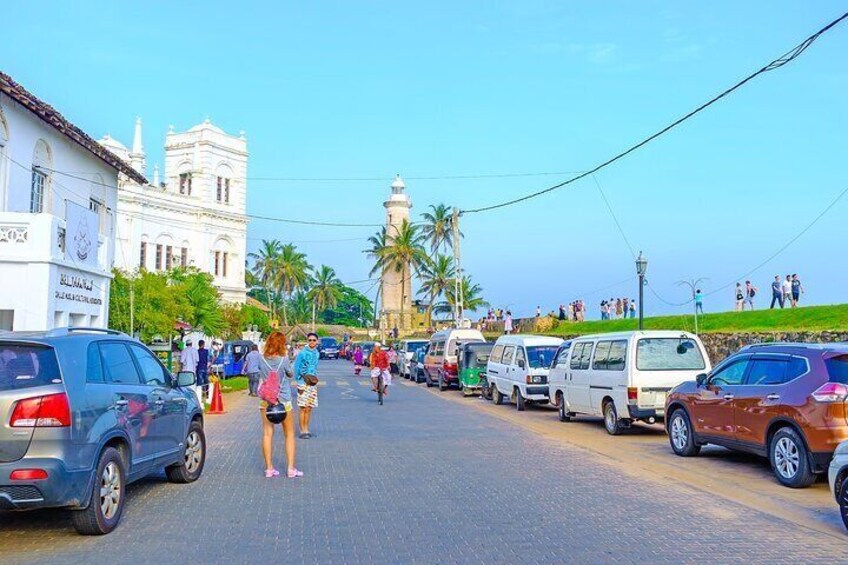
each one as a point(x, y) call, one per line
point(387, 376)
point(749, 300)
point(796, 296)
point(307, 396)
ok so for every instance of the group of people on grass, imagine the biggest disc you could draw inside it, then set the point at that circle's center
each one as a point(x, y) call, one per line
point(784, 291)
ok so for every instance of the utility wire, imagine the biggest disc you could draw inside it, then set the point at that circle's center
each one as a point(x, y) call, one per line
point(787, 57)
point(614, 218)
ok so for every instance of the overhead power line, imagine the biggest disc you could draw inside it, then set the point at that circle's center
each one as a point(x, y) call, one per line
point(787, 57)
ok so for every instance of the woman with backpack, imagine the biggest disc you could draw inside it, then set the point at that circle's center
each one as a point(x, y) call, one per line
point(275, 370)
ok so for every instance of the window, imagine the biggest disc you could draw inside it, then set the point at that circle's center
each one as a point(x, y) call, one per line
point(185, 183)
point(617, 355)
point(219, 189)
point(152, 372)
point(520, 356)
point(227, 191)
point(797, 367)
point(767, 372)
point(158, 264)
point(26, 366)
point(497, 353)
point(142, 255)
point(509, 350)
point(601, 355)
point(217, 263)
point(224, 257)
point(36, 197)
point(541, 356)
point(668, 354)
point(581, 355)
point(169, 257)
point(837, 369)
point(184, 257)
point(440, 348)
point(98, 208)
point(562, 356)
point(731, 374)
point(118, 365)
point(94, 371)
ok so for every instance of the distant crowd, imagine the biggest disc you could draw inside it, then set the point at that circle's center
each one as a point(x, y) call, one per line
point(784, 291)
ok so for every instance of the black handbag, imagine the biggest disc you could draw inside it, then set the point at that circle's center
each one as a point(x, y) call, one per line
point(276, 413)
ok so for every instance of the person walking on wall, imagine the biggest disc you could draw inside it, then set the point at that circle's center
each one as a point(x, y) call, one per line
point(797, 290)
point(740, 297)
point(786, 287)
point(252, 361)
point(632, 308)
point(276, 360)
point(750, 293)
point(306, 370)
point(776, 292)
point(508, 323)
point(699, 302)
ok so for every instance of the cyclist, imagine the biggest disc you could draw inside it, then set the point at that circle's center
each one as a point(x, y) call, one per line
point(380, 366)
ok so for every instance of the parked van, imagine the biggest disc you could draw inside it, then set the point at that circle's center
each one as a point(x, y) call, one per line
point(518, 368)
point(625, 376)
point(440, 362)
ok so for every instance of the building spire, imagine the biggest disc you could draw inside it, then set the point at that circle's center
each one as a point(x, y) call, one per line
point(156, 175)
point(137, 154)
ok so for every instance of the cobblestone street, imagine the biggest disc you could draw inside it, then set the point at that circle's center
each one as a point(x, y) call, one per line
point(420, 479)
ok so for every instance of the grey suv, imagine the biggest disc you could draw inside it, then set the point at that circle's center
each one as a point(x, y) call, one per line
point(84, 412)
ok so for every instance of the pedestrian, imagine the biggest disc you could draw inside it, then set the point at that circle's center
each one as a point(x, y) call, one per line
point(508, 323)
point(538, 311)
point(305, 372)
point(379, 362)
point(618, 308)
point(581, 315)
point(572, 311)
point(625, 303)
point(202, 371)
point(786, 287)
point(562, 314)
point(776, 292)
point(357, 360)
point(188, 358)
point(251, 368)
point(393, 359)
point(797, 290)
point(699, 301)
point(275, 359)
point(632, 308)
point(740, 297)
point(750, 292)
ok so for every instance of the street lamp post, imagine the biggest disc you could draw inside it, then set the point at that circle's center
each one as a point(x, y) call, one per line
point(693, 286)
point(641, 267)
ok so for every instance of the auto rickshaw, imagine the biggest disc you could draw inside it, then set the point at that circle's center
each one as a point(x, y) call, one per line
point(473, 358)
point(230, 358)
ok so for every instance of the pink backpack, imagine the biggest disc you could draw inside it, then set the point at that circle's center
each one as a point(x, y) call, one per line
point(269, 390)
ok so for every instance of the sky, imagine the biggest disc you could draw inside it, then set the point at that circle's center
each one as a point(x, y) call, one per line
point(364, 90)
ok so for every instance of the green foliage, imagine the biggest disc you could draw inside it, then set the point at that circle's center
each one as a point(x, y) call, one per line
point(471, 298)
point(157, 304)
point(204, 312)
point(326, 288)
point(438, 227)
point(234, 384)
point(352, 309)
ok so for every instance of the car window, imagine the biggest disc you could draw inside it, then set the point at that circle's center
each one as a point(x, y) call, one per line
point(562, 356)
point(837, 369)
point(731, 374)
point(541, 355)
point(520, 356)
point(497, 353)
point(576, 352)
point(617, 355)
point(668, 354)
point(94, 369)
point(601, 355)
point(507, 354)
point(152, 372)
point(587, 355)
point(440, 348)
point(581, 356)
point(26, 366)
point(797, 367)
point(767, 372)
point(118, 364)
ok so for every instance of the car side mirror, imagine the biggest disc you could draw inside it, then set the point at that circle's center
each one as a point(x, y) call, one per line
point(521, 364)
point(701, 379)
point(185, 378)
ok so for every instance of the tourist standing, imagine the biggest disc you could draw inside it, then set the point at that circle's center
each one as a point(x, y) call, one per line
point(188, 358)
point(797, 289)
point(562, 314)
point(699, 301)
point(357, 360)
point(275, 359)
point(252, 361)
point(619, 310)
point(538, 311)
point(508, 323)
point(740, 297)
point(202, 371)
point(306, 365)
point(786, 287)
point(750, 293)
point(776, 292)
point(632, 308)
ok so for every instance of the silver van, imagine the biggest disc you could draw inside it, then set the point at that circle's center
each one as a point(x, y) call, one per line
point(83, 413)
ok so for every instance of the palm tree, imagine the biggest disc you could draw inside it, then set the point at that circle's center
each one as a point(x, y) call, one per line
point(299, 308)
point(291, 272)
point(436, 276)
point(376, 253)
point(471, 297)
point(326, 290)
point(265, 269)
point(438, 227)
point(404, 251)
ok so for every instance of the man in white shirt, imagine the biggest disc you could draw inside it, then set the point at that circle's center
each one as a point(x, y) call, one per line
point(787, 289)
point(189, 358)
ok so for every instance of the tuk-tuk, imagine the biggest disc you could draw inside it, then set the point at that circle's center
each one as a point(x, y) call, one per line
point(230, 358)
point(472, 359)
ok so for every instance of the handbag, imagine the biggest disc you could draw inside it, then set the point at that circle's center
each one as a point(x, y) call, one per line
point(269, 390)
point(310, 380)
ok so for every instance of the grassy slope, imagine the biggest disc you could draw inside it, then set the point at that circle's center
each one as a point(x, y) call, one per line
point(810, 318)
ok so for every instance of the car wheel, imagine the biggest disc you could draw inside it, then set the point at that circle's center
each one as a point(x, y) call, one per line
point(843, 501)
point(789, 459)
point(612, 422)
point(497, 397)
point(107, 496)
point(428, 380)
point(563, 415)
point(486, 392)
point(681, 436)
point(520, 402)
point(190, 468)
point(442, 386)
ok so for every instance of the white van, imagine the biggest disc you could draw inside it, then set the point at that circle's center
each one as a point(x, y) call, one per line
point(625, 376)
point(518, 368)
point(440, 361)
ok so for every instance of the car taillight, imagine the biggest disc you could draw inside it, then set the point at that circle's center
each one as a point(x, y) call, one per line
point(51, 411)
point(450, 368)
point(28, 475)
point(632, 395)
point(831, 392)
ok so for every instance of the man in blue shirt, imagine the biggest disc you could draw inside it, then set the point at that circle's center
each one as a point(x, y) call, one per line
point(202, 370)
point(306, 363)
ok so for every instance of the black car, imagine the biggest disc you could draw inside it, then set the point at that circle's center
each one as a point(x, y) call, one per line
point(328, 348)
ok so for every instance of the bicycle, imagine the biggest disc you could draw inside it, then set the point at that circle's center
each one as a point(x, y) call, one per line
point(380, 388)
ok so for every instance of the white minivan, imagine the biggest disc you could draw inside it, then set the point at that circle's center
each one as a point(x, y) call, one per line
point(440, 361)
point(518, 368)
point(625, 376)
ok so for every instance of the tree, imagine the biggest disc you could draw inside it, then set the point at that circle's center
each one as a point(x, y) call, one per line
point(471, 297)
point(238, 317)
point(403, 253)
point(352, 309)
point(292, 272)
point(325, 291)
point(299, 308)
point(438, 227)
point(204, 311)
point(156, 304)
point(436, 276)
point(265, 269)
point(376, 253)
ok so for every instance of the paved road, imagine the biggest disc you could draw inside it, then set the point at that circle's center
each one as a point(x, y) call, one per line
point(421, 479)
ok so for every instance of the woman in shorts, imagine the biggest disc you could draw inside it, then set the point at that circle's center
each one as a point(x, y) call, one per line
point(274, 358)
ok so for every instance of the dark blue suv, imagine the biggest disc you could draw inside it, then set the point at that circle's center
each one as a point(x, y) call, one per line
point(84, 413)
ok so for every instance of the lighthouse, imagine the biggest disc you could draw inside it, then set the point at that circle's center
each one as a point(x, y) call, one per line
point(396, 297)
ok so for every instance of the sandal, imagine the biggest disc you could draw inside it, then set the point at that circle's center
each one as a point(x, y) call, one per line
point(269, 473)
point(294, 473)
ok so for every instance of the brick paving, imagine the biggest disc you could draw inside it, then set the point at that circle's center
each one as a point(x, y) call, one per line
point(416, 480)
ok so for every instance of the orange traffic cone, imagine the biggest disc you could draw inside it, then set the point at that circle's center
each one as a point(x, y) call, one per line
point(217, 406)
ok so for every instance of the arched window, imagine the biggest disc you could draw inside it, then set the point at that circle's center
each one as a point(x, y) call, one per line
point(184, 178)
point(4, 142)
point(142, 253)
point(164, 258)
point(223, 178)
point(184, 254)
point(42, 162)
point(221, 257)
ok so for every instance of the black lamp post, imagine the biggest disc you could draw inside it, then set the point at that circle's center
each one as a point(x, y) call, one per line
point(641, 267)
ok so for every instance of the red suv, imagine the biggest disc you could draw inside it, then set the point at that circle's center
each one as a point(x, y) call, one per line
point(783, 401)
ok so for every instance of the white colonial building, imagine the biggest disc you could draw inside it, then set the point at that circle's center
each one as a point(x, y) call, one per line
point(193, 216)
point(57, 209)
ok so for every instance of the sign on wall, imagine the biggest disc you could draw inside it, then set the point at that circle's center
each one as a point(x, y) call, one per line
point(81, 227)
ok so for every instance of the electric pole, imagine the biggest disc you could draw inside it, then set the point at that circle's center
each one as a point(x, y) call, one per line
point(457, 287)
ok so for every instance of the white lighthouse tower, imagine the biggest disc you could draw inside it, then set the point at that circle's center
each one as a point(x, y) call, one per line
point(396, 297)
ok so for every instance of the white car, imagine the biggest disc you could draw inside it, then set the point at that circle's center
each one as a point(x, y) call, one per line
point(518, 368)
point(838, 478)
point(625, 376)
point(407, 349)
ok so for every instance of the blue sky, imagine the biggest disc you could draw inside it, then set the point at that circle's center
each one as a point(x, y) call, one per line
point(368, 89)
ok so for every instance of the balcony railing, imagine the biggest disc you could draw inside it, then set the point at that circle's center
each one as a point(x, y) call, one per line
point(41, 238)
